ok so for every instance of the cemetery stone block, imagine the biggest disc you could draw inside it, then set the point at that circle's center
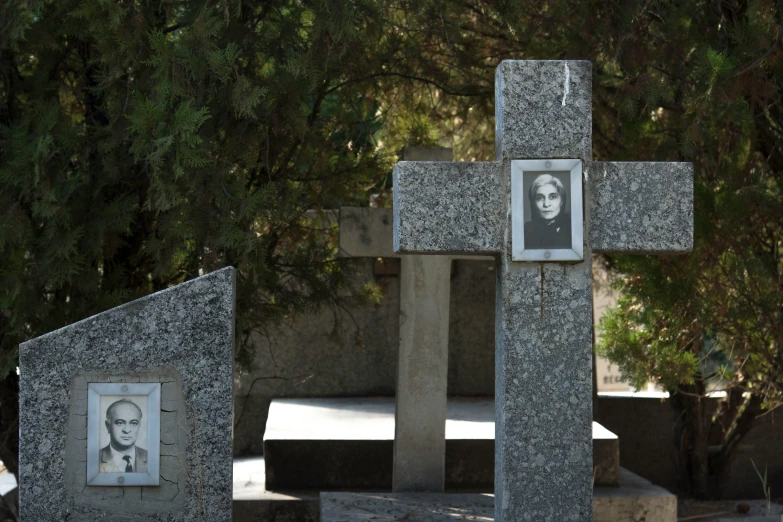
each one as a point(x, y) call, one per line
point(179, 342)
point(543, 335)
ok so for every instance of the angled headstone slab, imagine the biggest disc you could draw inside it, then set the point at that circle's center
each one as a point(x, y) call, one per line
point(543, 333)
point(181, 338)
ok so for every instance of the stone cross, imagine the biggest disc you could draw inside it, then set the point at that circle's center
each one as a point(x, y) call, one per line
point(543, 336)
point(422, 368)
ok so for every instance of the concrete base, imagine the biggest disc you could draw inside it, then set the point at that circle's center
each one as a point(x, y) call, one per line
point(347, 443)
point(253, 503)
point(633, 501)
point(433, 507)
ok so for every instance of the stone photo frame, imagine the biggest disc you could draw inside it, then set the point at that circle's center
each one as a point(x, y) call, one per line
point(146, 399)
point(537, 237)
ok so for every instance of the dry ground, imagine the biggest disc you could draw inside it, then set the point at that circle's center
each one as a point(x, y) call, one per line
point(708, 511)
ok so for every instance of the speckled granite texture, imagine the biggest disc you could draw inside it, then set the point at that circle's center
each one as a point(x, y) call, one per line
point(543, 335)
point(185, 332)
point(543, 391)
point(641, 208)
point(448, 208)
point(543, 109)
point(543, 330)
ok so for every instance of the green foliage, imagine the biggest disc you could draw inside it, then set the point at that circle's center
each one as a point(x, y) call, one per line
point(146, 143)
point(721, 113)
point(764, 483)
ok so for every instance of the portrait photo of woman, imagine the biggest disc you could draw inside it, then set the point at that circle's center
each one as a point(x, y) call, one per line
point(549, 223)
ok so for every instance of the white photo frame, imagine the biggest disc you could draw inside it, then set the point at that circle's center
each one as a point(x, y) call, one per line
point(558, 237)
point(102, 435)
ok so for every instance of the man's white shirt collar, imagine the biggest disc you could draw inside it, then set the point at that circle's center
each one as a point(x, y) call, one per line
point(118, 457)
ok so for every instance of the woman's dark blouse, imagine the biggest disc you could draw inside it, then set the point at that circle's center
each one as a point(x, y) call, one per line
point(542, 235)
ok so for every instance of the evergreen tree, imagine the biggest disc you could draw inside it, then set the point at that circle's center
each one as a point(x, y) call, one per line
point(701, 82)
point(145, 143)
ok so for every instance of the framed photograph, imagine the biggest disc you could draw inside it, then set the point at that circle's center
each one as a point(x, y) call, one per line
point(123, 434)
point(546, 210)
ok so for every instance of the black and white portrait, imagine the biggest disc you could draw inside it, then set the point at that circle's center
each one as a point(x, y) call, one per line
point(123, 434)
point(547, 216)
point(124, 439)
point(546, 210)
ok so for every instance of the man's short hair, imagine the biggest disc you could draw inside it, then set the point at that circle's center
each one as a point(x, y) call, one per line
point(111, 408)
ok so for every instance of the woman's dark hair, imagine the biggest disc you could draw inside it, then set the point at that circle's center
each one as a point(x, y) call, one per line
point(540, 181)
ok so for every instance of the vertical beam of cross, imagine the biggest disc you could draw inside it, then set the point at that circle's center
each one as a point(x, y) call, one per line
point(543, 329)
point(543, 333)
point(422, 362)
point(422, 368)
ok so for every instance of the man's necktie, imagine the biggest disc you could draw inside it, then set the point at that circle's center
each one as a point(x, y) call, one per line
point(128, 467)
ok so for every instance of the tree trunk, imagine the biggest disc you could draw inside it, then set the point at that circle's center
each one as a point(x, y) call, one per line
point(691, 439)
point(738, 425)
point(704, 467)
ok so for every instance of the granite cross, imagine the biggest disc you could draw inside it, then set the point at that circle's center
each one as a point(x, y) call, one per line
point(543, 332)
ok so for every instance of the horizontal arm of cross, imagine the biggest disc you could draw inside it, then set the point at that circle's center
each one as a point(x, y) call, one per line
point(449, 207)
point(368, 232)
point(640, 207)
point(461, 208)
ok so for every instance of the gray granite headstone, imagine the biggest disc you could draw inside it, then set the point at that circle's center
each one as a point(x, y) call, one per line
point(183, 338)
point(543, 334)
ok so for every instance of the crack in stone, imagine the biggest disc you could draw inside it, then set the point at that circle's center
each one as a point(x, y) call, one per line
point(542, 289)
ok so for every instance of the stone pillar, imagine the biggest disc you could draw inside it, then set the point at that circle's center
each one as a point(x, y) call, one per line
point(422, 367)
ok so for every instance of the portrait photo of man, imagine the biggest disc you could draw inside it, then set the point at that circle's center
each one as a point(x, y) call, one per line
point(123, 424)
point(549, 223)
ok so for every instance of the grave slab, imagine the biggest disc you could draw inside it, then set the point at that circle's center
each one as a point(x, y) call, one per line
point(635, 500)
point(183, 339)
point(347, 443)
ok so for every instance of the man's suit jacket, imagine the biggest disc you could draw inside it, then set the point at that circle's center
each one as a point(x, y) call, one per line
point(107, 464)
